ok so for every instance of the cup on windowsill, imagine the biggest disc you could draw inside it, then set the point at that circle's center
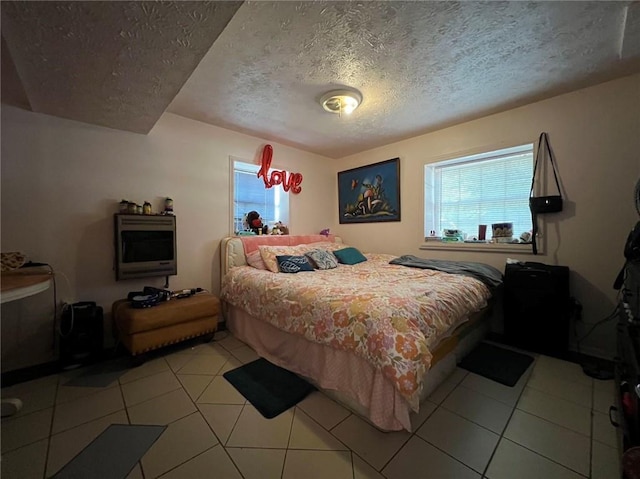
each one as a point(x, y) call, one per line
point(482, 232)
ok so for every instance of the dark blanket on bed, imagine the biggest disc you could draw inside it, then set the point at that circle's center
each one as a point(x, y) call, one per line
point(483, 272)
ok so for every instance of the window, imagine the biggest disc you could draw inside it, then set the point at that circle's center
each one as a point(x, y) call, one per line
point(250, 194)
point(486, 188)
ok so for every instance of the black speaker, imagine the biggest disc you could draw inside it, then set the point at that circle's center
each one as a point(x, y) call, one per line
point(537, 307)
point(81, 334)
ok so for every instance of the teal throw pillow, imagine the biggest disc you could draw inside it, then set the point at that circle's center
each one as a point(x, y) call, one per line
point(322, 259)
point(349, 255)
point(293, 264)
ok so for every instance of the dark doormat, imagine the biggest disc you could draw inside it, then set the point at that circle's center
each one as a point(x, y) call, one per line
point(269, 388)
point(496, 363)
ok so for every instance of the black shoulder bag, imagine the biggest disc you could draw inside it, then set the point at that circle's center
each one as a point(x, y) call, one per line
point(543, 204)
point(631, 253)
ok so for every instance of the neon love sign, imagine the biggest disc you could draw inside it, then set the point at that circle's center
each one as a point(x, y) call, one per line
point(278, 177)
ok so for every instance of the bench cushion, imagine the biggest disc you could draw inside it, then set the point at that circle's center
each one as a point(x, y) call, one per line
point(135, 320)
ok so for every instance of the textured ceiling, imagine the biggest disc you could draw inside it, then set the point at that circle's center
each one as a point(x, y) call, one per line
point(420, 66)
point(116, 64)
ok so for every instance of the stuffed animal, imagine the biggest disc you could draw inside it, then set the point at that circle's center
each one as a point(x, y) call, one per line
point(279, 229)
point(254, 223)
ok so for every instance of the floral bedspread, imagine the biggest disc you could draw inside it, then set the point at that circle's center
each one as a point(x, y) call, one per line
point(389, 315)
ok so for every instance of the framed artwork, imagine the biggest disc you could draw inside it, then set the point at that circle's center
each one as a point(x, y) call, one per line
point(371, 193)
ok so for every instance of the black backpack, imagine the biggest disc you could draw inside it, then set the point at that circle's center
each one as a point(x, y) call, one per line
point(631, 253)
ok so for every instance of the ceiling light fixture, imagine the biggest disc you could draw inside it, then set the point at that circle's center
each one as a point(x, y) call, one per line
point(341, 101)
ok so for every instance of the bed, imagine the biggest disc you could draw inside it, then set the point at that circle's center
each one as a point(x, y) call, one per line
point(375, 336)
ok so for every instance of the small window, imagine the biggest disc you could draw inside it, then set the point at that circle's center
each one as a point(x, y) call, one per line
point(250, 194)
point(492, 187)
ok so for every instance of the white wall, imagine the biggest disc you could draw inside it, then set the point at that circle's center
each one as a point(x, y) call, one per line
point(595, 135)
point(61, 184)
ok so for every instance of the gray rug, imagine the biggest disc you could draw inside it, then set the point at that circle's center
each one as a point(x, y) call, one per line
point(113, 454)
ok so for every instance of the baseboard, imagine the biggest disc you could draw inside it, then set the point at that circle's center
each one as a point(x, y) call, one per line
point(593, 352)
point(9, 378)
point(16, 376)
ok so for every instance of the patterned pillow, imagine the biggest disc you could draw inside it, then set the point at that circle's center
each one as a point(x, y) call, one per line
point(254, 259)
point(293, 264)
point(349, 256)
point(269, 254)
point(322, 259)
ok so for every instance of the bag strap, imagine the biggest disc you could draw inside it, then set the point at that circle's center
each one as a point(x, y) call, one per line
point(534, 232)
point(619, 282)
point(544, 139)
point(534, 219)
point(553, 163)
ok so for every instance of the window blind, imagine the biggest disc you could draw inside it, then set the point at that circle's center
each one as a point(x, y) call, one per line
point(485, 189)
point(250, 194)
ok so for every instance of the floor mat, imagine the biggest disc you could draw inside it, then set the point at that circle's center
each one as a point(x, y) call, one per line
point(269, 388)
point(113, 454)
point(496, 363)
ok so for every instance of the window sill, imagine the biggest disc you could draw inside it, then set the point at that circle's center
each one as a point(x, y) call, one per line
point(520, 248)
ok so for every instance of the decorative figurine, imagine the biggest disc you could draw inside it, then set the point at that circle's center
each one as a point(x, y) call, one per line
point(279, 229)
point(168, 207)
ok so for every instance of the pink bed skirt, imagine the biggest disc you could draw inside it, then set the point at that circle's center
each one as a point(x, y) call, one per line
point(326, 368)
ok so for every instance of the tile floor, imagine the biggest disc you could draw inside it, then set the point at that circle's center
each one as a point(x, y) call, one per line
point(552, 424)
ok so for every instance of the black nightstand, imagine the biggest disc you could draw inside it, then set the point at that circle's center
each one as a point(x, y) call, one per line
point(537, 307)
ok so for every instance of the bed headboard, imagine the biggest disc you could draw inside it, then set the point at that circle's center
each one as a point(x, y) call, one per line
point(232, 248)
